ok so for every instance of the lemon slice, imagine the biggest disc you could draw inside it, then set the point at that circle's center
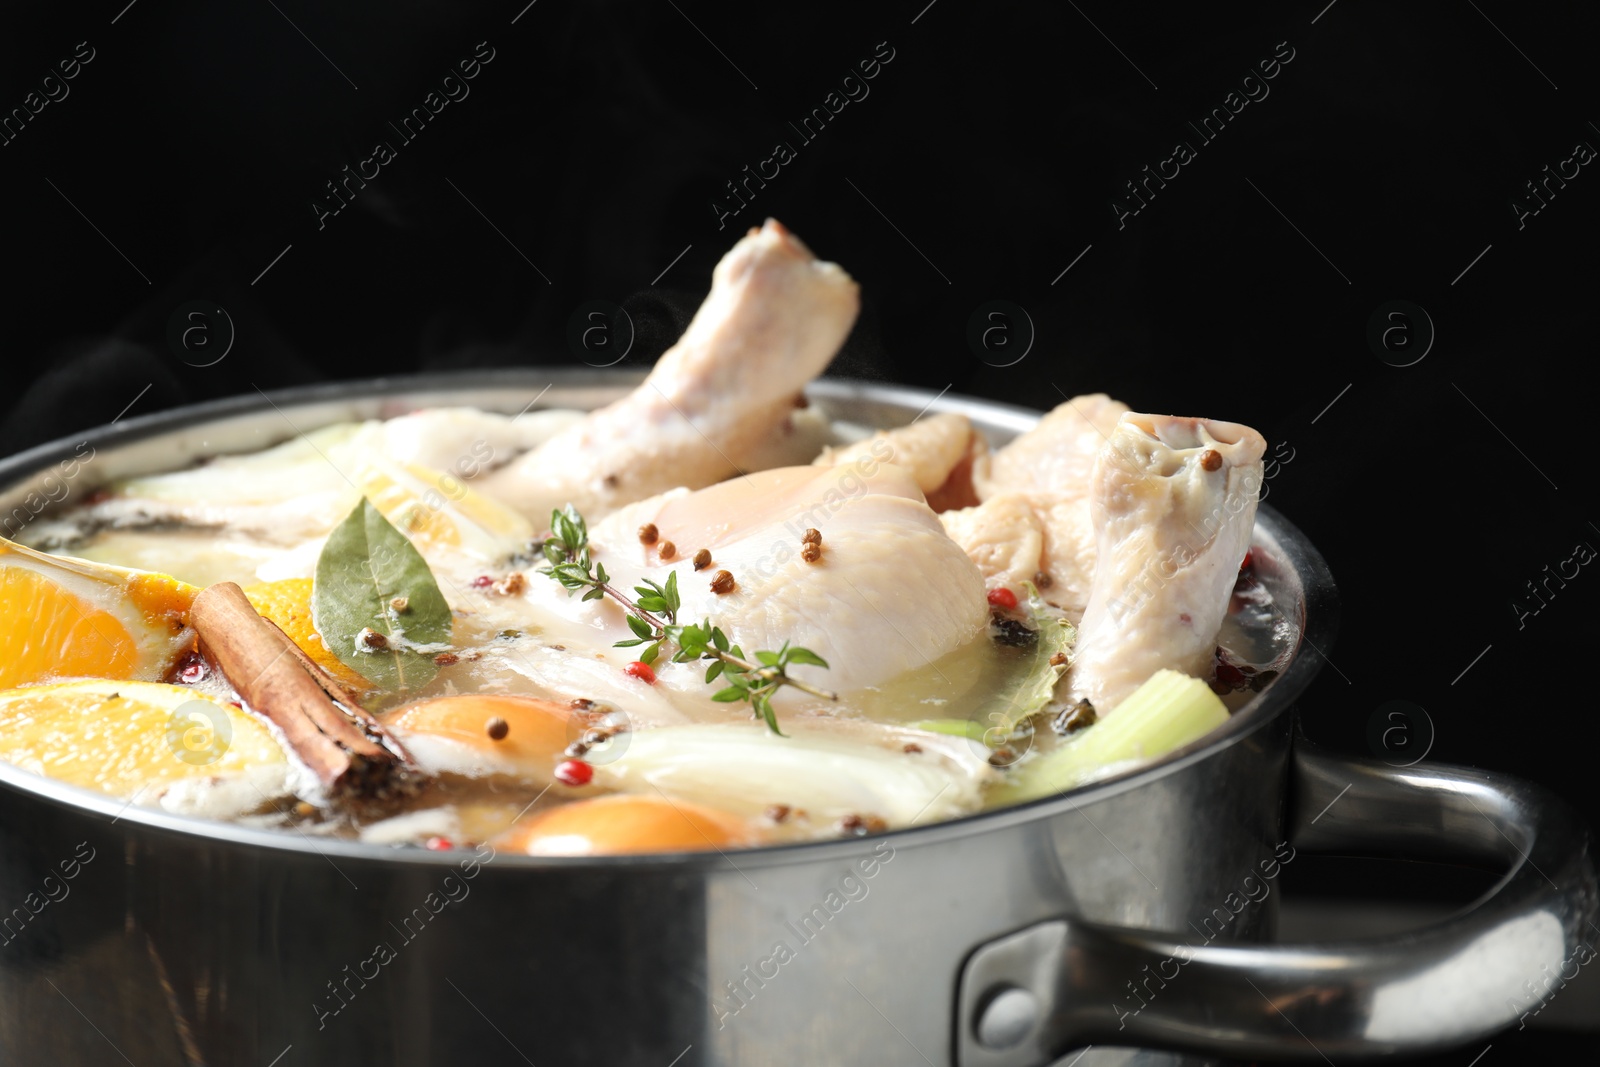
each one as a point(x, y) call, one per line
point(125, 737)
point(62, 617)
point(438, 510)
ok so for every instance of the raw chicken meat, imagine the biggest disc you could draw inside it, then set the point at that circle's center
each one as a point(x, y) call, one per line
point(1042, 537)
point(1173, 502)
point(1033, 523)
point(931, 449)
point(890, 592)
point(774, 318)
point(1057, 455)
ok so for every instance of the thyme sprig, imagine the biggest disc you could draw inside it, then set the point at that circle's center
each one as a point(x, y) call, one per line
point(653, 617)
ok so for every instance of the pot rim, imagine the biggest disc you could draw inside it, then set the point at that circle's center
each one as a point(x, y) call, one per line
point(1318, 627)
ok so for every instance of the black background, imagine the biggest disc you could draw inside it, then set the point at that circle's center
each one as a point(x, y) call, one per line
point(1382, 166)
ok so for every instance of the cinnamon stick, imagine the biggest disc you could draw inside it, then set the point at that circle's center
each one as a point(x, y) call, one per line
point(347, 749)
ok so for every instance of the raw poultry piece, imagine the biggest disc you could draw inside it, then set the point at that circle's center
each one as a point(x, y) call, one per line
point(1057, 455)
point(939, 451)
point(1173, 502)
point(885, 592)
point(1044, 538)
point(1033, 523)
point(888, 592)
point(774, 318)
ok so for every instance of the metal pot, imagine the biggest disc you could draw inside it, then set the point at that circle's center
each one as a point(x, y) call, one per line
point(1134, 912)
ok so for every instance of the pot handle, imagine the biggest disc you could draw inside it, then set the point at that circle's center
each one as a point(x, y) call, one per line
point(1027, 998)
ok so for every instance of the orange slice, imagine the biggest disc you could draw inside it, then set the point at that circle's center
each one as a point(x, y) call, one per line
point(287, 602)
point(453, 734)
point(123, 737)
point(623, 823)
point(62, 617)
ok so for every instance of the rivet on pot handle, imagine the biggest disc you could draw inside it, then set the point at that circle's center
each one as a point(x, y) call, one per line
point(1432, 988)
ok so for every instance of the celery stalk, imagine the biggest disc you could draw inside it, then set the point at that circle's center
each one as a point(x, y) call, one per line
point(951, 727)
point(1165, 713)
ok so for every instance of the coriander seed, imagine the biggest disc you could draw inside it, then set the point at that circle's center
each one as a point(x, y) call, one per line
point(723, 583)
point(861, 825)
point(511, 585)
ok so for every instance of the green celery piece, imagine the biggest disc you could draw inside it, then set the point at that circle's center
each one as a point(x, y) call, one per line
point(1165, 713)
point(951, 727)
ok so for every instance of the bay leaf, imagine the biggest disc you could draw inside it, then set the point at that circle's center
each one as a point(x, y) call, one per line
point(1030, 686)
point(364, 566)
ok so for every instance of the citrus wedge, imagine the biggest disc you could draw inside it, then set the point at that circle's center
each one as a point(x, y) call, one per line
point(621, 823)
point(287, 602)
point(62, 617)
point(124, 737)
point(438, 510)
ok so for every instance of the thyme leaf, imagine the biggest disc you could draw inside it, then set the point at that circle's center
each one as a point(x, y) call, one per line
point(652, 615)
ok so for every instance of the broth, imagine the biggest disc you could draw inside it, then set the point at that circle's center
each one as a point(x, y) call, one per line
point(875, 751)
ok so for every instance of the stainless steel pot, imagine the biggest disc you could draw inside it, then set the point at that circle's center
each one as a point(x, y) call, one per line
point(1133, 912)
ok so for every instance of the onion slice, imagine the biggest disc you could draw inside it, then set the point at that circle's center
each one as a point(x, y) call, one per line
point(829, 772)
